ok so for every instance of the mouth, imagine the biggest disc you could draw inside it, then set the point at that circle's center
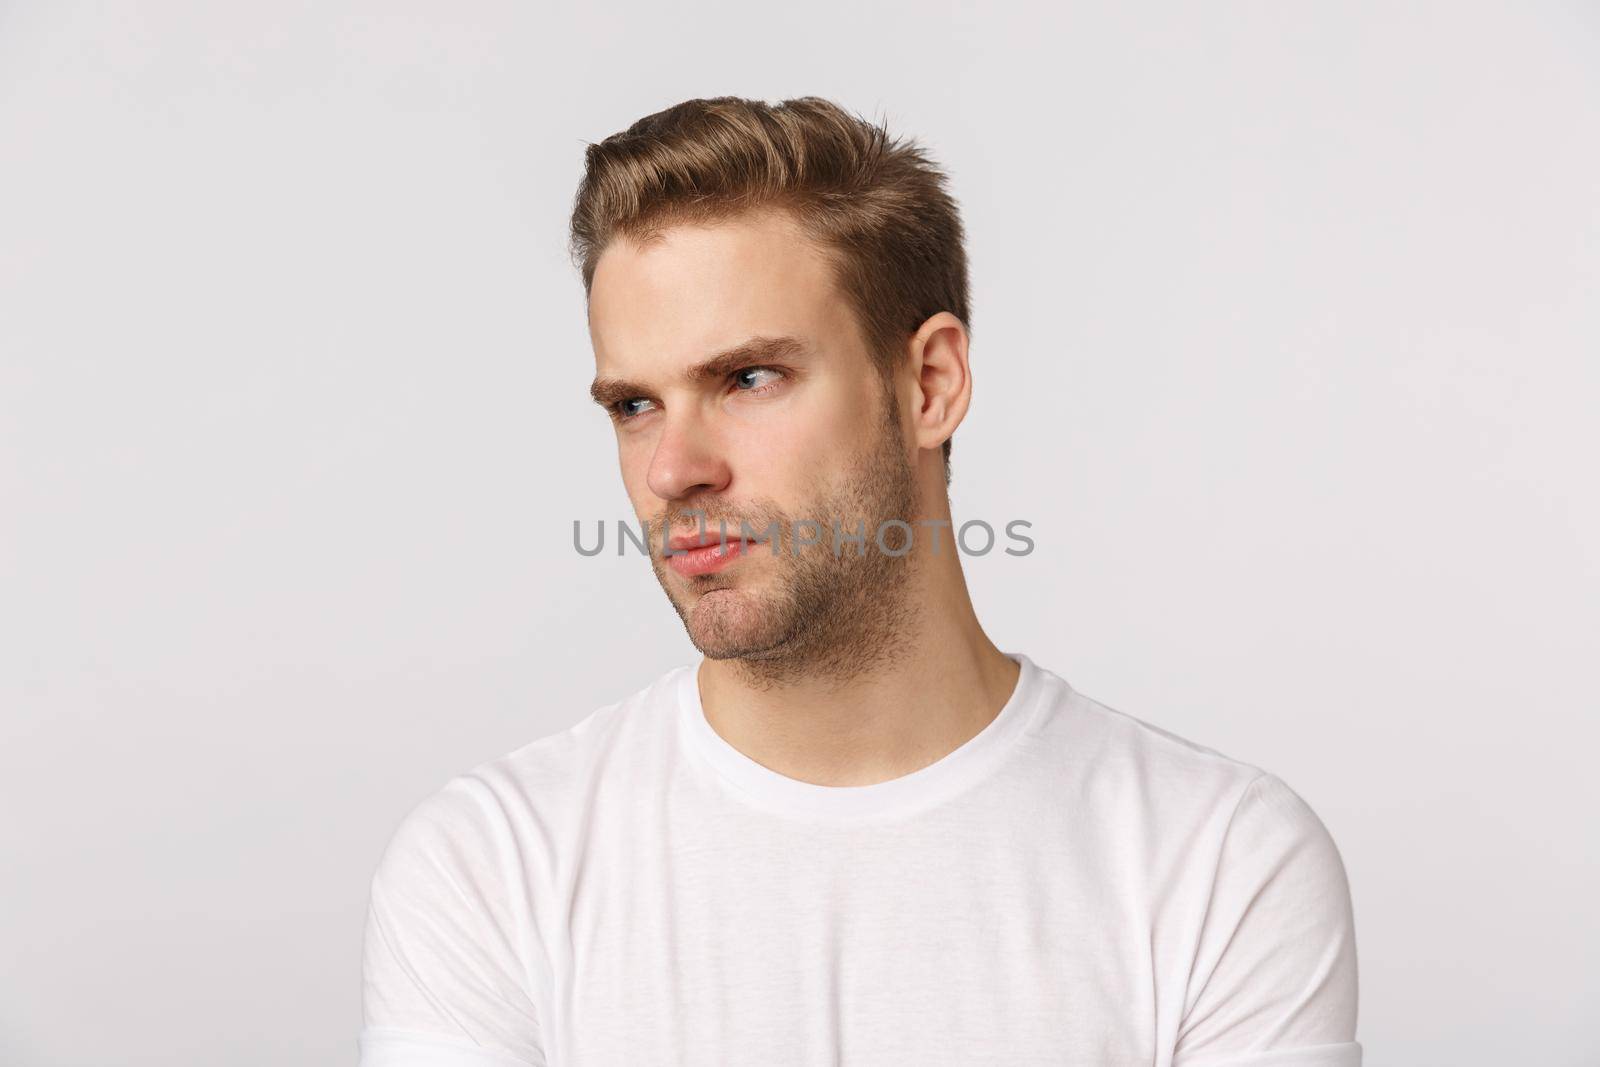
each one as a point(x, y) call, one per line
point(696, 555)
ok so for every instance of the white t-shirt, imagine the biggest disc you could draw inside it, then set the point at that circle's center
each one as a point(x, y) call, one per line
point(1070, 886)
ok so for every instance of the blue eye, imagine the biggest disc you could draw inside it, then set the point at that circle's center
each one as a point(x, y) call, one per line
point(740, 378)
point(623, 411)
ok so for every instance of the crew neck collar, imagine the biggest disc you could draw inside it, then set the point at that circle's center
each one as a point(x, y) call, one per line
point(783, 795)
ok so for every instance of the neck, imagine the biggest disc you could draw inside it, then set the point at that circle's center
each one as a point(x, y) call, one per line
point(928, 688)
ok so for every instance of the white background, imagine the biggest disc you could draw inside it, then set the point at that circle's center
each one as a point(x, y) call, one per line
point(1286, 326)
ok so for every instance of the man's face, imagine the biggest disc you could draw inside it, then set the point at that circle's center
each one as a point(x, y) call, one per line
point(796, 424)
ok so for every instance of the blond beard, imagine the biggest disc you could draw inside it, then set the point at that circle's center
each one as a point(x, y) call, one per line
point(829, 614)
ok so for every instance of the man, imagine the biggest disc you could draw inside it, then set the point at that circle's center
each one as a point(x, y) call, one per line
point(856, 832)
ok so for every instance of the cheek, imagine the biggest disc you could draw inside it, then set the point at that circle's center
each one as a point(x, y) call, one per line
point(786, 458)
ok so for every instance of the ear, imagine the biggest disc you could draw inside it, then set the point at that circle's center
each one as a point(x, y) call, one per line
point(938, 353)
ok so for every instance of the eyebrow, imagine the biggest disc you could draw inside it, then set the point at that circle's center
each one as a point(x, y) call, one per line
point(609, 391)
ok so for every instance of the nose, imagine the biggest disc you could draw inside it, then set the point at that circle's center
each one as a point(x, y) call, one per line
point(686, 461)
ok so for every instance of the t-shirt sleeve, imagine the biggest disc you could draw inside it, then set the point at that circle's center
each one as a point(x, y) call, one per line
point(446, 977)
point(1274, 977)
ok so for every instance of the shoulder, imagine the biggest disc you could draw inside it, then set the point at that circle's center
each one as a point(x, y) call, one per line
point(460, 900)
point(1118, 750)
point(502, 805)
point(1252, 886)
point(1153, 782)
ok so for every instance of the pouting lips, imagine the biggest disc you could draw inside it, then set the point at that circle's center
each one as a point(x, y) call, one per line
point(693, 558)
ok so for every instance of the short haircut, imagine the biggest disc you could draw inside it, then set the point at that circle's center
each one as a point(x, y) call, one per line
point(879, 204)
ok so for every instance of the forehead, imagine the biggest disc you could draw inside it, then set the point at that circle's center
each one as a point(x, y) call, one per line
point(701, 288)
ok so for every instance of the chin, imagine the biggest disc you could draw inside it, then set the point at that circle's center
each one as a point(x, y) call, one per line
point(728, 624)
